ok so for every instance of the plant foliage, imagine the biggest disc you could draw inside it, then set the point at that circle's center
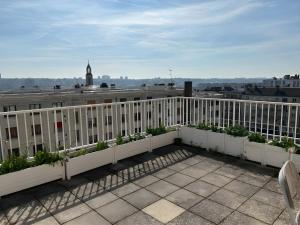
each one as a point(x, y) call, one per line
point(44, 157)
point(285, 143)
point(237, 131)
point(257, 137)
point(157, 131)
point(101, 145)
point(14, 163)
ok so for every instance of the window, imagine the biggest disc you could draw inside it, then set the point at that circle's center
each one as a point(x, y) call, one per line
point(91, 102)
point(91, 139)
point(137, 116)
point(39, 147)
point(123, 100)
point(13, 132)
point(123, 118)
point(77, 117)
point(137, 130)
point(35, 106)
point(108, 136)
point(57, 104)
point(108, 101)
point(148, 98)
point(14, 152)
point(108, 120)
point(37, 129)
point(78, 135)
point(9, 108)
point(149, 115)
point(92, 122)
point(123, 132)
point(137, 99)
point(59, 126)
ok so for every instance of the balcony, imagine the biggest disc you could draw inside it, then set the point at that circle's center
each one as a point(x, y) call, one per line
point(213, 178)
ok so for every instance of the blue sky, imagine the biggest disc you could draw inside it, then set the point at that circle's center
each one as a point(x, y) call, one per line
point(144, 38)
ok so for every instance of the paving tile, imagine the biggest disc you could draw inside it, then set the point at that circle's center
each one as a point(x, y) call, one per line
point(260, 211)
point(91, 218)
point(141, 198)
point(117, 210)
point(273, 185)
point(145, 181)
point(201, 188)
point(111, 181)
point(126, 189)
point(228, 198)
point(257, 180)
point(237, 218)
point(87, 190)
point(194, 172)
point(230, 171)
point(26, 212)
point(49, 220)
point(162, 188)
point(184, 198)
point(207, 165)
point(178, 166)
point(216, 179)
point(179, 179)
point(163, 210)
point(242, 188)
point(139, 218)
point(188, 218)
point(164, 173)
point(3, 219)
point(100, 200)
point(70, 213)
point(270, 198)
point(211, 211)
point(192, 161)
point(283, 219)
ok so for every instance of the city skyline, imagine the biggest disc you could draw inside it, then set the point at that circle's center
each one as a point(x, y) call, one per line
point(197, 39)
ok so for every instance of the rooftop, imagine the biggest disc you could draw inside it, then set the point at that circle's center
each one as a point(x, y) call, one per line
point(175, 185)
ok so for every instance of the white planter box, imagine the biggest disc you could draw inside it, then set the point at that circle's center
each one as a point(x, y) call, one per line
point(296, 159)
point(30, 177)
point(215, 141)
point(234, 145)
point(163, 139)
point(275, 156)
point(132, 148)
point(89, 161)
point(255, 151)
point(194, 137)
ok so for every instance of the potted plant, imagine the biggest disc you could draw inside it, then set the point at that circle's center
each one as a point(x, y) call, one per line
point(255, 147)
point(161, 136)
point(234, 140)
point(195, 135)
point(215, 139)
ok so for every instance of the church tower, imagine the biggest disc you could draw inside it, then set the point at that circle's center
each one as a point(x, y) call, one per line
point(88, 76)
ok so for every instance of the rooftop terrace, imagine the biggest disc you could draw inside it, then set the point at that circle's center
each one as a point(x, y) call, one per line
point(175, 185)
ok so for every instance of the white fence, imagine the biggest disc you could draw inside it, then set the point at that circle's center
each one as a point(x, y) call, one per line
point(73, 127)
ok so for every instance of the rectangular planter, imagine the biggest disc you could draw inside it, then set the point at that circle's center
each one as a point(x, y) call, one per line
point(30, 177)
point(193, 136)
point(215, 141)
point(255, 151)
point(163, 139)
point(275, 156)
point(89, 161)
point(132, 148)
point(234, 145)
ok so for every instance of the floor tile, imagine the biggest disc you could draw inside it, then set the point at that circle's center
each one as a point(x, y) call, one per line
point(49, 220)
point(178, 166)
point(126, 189)
point(100, 200)
point(273, 185)
point(254, 180)
point(188, 218)
point(117, 210)
point(139, 218)
point(228, 198)
point(216, 179)
point(283, 219)
point(91, 218)
point(141, 198)
point(70, 213)
point(270, 198)
point(162, 188)
point(211, 211)
point(184, 198)
point(237, 218)
point(163, 210)
point(191, 161)
point(164, 173)
point(194, 172)
point(260, 211)
point(230, 171)
point(242, 188)
point(87, 190)
point(179, 179)
point(145, 181)
point(207, 165)
point(201, 188)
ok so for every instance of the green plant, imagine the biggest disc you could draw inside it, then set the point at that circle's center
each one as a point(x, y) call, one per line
point(43, 157)
point(236, 131)
point(203, 126)
point(216, 129)
point(130, 138)
point(157, 131)
point(177, 141)
point(80, 152)
point(101, 145)
point(14, 163)
point(285, 143)
point(138, 136)
point(119, 140)
point(257, 137)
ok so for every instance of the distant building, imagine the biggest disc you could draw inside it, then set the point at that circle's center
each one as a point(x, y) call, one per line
point(105, 77)
point(286, 81)
point(88, 76)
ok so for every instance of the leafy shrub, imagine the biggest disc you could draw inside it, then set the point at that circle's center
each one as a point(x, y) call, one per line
point(177, 141)
point(101, 145)
point(14, 163)
point(80, 152)
point(203, 126)
point(237, 131)
point(138, 136)
point(285, 143)
point(257, 137)
point(157, 131)
point(44, 157)
point(216, 129)
point(119, 140)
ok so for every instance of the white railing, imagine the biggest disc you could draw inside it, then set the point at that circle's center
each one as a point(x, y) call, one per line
point(74, 127)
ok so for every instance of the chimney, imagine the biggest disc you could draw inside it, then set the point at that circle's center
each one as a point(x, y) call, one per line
point(188, 89)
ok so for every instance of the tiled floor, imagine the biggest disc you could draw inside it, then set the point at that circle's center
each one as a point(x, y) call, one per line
point(173, 185)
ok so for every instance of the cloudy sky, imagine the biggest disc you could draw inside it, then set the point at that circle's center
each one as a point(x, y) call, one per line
point(144, 38)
